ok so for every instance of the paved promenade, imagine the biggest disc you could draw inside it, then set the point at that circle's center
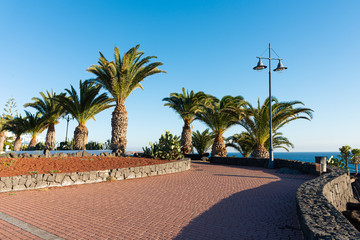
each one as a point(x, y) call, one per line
point(206, 202)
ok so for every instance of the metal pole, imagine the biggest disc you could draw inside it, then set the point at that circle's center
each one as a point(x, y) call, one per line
point(67, 126)
point(271, 157)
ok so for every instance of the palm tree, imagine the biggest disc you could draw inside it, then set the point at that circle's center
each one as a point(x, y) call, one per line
point(245, 144)
point(82, 107)
point(355, 158)
point(345, 153)
point(256, 123)
point(51, 112)
point(241, 142)
point(219, 116)
point(120, 78)
point(2, 134)
point(18, 127)
point(34, 124)
point(186, 105)
point(202, 141)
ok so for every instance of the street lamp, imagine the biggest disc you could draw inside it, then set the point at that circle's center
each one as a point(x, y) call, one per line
point(280, 67)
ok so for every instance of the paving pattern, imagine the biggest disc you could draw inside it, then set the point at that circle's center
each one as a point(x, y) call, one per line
point(206, 202)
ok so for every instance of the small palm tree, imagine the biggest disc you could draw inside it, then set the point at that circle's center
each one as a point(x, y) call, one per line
point(34, 124)
point(186, 105)
point(219, 116)
point(82, 107)
point(18, 127)
point(345, 153)
point(256, 123)
point(120, 78)
point(51, 112)
point(355, 158)
point(241, 142)
point(202, 141)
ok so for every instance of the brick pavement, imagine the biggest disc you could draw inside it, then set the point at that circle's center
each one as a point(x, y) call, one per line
point(207, 202)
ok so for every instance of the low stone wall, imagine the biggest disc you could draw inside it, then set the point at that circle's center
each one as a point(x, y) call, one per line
point(304, 167)
point(320, 201)
point(37, 181)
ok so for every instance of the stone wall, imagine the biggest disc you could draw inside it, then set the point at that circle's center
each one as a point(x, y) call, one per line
point(37, 181)
point(304, 167)
point(320, 202)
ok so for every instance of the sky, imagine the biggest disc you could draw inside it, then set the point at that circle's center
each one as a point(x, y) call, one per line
point(204, 45)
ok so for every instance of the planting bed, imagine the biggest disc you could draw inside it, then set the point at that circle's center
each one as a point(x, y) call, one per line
point(31, 166)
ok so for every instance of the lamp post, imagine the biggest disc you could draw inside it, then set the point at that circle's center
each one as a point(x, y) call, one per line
point(280, 67)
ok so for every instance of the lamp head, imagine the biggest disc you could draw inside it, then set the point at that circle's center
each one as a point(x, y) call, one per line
point(280, 67)
point(260, 65)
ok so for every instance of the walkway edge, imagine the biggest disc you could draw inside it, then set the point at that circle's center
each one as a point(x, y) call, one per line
point(28, 227)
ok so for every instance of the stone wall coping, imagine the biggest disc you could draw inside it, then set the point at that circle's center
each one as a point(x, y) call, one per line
point(37, 181)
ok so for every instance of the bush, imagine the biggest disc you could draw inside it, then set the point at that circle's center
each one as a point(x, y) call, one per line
point(66, 145)
point(94, 146)
point(38, 146)
point(169, 147)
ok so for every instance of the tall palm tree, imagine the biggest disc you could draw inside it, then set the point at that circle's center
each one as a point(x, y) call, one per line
point(202, 141)
point(2, 134)
point(186, 105)
point(18, 127)
point(256, 123)
point(34, 124)
point(219, 116)
point(51, 112)
point(120, 78)
point(82, 107)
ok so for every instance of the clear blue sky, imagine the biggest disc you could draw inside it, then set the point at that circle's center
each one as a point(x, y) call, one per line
point(205, 46)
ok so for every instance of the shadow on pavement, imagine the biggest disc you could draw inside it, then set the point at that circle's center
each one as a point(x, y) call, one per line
point(266, 212)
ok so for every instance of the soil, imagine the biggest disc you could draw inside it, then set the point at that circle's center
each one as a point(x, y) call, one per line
point(28, 166)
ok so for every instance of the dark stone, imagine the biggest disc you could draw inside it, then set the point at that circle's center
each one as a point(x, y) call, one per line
point(47, 153)
point(24, 155)
point(353, 206)
point(13, 155)
point(85, 154)
point(354, 218)
point(78, 154)
point(118, 152)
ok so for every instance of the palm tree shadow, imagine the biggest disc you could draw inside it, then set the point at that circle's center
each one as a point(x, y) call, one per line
point(265, 212)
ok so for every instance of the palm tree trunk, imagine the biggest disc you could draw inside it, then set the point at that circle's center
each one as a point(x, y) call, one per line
point(17, 143)
point(32, 143)
point(2, 140)
point(50, 137)
point(186, 138)
point(119, 123)
point(260, 152)
point(218, 148)
point(80, 137)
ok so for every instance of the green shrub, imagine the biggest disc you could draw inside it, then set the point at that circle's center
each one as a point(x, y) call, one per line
point(38, 146)
point(169, 147)
point(94, 146)
point(66, 145)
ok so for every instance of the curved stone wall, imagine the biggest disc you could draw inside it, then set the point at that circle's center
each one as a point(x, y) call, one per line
point(37, 181)
point(320, 202)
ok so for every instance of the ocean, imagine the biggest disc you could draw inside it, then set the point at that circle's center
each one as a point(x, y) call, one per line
point(302, 156)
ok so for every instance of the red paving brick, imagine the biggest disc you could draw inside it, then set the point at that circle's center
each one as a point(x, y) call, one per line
point(207, 202)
